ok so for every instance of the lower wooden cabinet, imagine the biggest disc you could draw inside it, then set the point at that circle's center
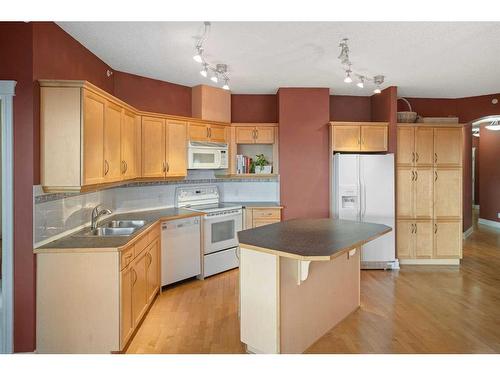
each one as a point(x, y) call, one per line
point(127, 322)
point(259, 216)
point(429, 239)
point(153, 270)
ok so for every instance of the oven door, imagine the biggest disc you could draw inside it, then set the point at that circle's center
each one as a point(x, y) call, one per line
point(204, 158)
point(221, 232)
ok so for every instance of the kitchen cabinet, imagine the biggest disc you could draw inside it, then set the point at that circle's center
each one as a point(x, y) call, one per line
point(112, 143)
point(153, 147)
point(130, 148)
point(255, 134)
point(126, 322)
point(447, 193)
point(429, 191)
point(207, 132)
point(448, 147)
point(94, 107)
point(359, 137)
point(259, 216)
point(153, 269)
point(176, 148)
point(139, 288)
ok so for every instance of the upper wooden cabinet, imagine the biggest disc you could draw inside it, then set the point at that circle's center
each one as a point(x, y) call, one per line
point(211, 103)
point(255, 134)
point(163, 148)
point(113, 165)
point(207, 132)
point(359, 136)
point(130, 144)
point(425, 145)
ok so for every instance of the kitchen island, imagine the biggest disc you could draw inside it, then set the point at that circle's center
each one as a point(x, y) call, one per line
point(298, 279)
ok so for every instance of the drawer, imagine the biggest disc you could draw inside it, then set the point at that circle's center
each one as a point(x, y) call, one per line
point(266, 213)
point(126, 257)
point(262, 222)
point(141, 244)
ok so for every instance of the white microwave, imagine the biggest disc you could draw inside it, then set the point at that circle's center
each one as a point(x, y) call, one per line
point(207, 155)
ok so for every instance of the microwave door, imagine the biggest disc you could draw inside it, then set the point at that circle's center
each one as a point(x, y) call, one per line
point(202, 159)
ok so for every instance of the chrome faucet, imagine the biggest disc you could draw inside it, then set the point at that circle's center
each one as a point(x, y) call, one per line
point(96, 214)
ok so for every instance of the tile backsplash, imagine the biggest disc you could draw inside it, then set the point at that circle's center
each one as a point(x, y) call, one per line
point(57, 214)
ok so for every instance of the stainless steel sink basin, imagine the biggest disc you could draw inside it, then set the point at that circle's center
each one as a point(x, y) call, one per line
point(106, 231)
point(124, 224)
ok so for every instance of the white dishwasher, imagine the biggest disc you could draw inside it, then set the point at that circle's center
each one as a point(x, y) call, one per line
point(180, 250)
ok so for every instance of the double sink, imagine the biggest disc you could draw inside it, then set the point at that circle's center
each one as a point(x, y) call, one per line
point(114, 228)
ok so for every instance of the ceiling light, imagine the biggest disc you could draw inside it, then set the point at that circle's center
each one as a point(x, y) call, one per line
point(361, 84)
point(198, 57)
point(226, 84)
point(347, 78)
point(377, 90)
point(214, 78)
point(204, 71)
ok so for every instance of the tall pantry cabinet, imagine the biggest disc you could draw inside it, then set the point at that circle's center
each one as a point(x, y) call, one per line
point(429, 193)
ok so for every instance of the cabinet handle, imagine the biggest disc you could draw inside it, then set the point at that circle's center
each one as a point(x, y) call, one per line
point(435, 228)
point(435, 158)
point(135, 277)
point(412, 228)
point(359, 141)
point(413, 157)
point(123, 166)
point(256, 133)
point(412, 175)
point(416, 154)
point(416, 228)
point(106, 167)
point(435, 176)
point(168, 166)
point(150, 258)
point(164, 167)
point(416, 175)
point(126, 166)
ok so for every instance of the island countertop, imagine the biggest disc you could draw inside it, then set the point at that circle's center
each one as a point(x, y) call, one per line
point(311, 239)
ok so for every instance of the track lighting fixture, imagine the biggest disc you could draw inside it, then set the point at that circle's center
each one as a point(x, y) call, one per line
point(378, 80)
point(219, 71)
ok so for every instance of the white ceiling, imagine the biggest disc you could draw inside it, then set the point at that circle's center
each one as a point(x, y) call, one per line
point(424, 59)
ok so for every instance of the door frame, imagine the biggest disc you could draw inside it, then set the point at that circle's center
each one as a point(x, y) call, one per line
point(7, 92)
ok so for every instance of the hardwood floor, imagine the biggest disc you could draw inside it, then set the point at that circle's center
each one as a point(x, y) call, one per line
point(419, 309)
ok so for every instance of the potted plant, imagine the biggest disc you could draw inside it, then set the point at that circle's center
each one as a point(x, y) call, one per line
point(262, 164)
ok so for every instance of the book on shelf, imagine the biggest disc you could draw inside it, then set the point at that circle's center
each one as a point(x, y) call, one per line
point(243, 164)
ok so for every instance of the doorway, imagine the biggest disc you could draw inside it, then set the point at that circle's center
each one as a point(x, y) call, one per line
point(7, 229)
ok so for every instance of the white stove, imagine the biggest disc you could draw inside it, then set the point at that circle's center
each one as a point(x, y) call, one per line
point(222, 222)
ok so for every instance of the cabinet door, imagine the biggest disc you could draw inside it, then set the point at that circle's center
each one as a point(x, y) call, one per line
point(404, 196)
point(448, 147)
point(112, 143)
point(218, 133)
point(448, 239)
point(129, 145)
point(176, 148)
point(93, 138)
point(447, 193)
point(424, 239)
point(153, 270)
point(126, 319)
point(424, 146)
point(405, 238)
point(264, 134)
point(153, 147)
point(424, 198)
point(198, 132)
point(346, 138)
point(245, 134)
point(406, 142)
point(373, 138)
point(139, 287)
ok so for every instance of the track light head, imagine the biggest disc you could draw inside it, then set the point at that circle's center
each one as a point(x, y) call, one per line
point(215, 77)
point(347, 78)
point(226, 84)
point(377, 90)
point(198, 57)
point(361, 83)
point(204, 71)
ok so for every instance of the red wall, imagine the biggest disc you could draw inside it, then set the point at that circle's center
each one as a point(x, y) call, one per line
point(152, 95)
point(489, 188)
point(475, 143)
point(16, 41)
point(254, 108)
point(304, 152)
point(431, 107)
point(384, 108)
point(350, 108)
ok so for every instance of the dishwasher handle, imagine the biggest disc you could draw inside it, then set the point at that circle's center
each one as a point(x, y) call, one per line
point(182, 224)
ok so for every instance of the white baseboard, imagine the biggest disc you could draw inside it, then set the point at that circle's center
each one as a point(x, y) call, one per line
point(490, 223)
point(468, 232)
point(437, 262)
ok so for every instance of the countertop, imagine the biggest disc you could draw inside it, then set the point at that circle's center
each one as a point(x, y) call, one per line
point(257, 204)
point(311, 239)
point(73, 242)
